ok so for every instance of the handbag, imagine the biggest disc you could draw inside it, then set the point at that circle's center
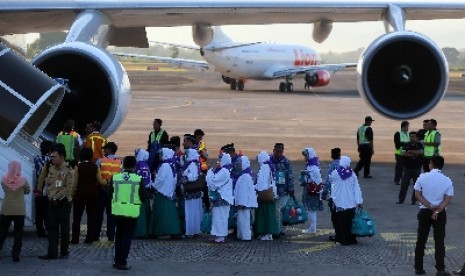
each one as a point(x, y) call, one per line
point(265, 195)
point(313, 188)
point(363, 225)
point(293, 212)
point(197, 185)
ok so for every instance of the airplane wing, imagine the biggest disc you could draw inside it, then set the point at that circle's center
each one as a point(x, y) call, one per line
point(177, 62)
point(303, 70)
point(222, 46)
point(26, 16)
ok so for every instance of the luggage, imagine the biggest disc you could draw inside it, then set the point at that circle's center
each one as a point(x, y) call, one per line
point(293, 212)
point(363, 225)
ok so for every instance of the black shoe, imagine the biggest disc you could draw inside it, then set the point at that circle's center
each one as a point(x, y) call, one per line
point(399, 202)
point(332, 238)
point(64, 255)
point(397, 183)
point(420, 272)
point(122, 267)
point(368, 176)
point(460, 271)
point(15, 259)
point(74, 241)
point(48, 257)
point(41, 235)
point(443, 273)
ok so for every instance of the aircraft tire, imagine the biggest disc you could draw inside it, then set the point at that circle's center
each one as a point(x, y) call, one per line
point(289, 87)
point(282, 87)
point(240, 86)
point(233, 85)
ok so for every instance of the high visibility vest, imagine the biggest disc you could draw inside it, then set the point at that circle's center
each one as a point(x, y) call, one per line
point(429, 151)
point(362, 140)
point(109, 167)
point(96, 142)
point(404, 138)
point(126, 201)
point(203, 159)
point(69, 141)
point(157, 138)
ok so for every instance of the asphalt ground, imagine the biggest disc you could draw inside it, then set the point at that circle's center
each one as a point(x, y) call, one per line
point(255, 119)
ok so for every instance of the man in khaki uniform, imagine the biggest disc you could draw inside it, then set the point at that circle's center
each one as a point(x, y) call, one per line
point(59, 183)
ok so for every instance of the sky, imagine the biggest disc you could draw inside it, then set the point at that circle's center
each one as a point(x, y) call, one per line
point(344, 36)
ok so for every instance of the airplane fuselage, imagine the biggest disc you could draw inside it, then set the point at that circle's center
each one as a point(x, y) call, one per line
point(260, 61)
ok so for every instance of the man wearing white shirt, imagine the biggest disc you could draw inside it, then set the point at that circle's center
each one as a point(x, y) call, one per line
point(434, 191)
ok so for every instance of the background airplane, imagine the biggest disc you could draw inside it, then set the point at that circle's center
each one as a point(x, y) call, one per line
point(238, 62)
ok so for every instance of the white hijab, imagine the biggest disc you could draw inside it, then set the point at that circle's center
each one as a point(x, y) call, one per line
point(165, 181)
point(313, 171)
point(244, 193)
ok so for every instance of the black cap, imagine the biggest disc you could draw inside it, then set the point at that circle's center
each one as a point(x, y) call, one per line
point(111, 146)
point(279, 146)
point(369, 119)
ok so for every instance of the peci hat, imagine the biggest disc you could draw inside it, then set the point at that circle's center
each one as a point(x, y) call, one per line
point(228, 147)
point(369, 119)
point(111, 146)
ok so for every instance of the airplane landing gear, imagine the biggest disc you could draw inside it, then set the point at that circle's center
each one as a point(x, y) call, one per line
point(233, 85)
point(240, 85)
point(286, 86)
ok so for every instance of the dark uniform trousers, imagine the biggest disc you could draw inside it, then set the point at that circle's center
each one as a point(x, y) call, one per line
point(424, 224)
point(400, 160)
point(365, 154)
point(104, 205)
point(125, 227)
point(41, 206)
point(59, 227)
point(5, 222)
point(90, 205)
point(409, 174)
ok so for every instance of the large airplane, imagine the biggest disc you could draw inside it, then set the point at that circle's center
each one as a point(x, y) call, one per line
point(238, 62)
point(402, 74)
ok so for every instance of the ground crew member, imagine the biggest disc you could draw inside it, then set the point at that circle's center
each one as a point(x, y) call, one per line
point(109, 166)
point(59, 183)
point(128, 192)
point(431, 143)
point(401, 138)
point(70, 139)
point(158, 135)
point(95, 140)
point(365, 147)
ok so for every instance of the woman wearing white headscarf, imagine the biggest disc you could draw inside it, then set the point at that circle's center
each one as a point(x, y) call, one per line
point(346, 195)
point(311, 200)
point(13, 207)
point(143, 170)
point(245, 199)
point(219, 184)
point(266, 222)
point(165, 219)
point(193, 199)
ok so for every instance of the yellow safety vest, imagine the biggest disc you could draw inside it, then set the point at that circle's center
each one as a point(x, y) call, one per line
point(126, 201)
point(404, 138)
point(429, 151)
point(157, 138)
point(362, 140)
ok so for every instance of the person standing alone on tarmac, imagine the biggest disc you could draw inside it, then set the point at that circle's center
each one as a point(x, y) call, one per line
point(127, 192)
point(365, 147)
point(401, 138)
point(434, 190)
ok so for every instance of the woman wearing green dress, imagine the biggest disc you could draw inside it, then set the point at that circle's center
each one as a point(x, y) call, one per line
point(266, 222)
point(165, 218)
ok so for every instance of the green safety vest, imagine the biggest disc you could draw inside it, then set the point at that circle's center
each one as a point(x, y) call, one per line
point(157, 138)
point(429, 151)
point(126, 201)
point(404, 138)
point(69, 142)
point(362, 140)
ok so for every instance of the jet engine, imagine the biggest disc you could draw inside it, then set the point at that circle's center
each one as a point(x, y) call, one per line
point(402, 75)
point(202, 34)
point(99, 86)
point(318, 78)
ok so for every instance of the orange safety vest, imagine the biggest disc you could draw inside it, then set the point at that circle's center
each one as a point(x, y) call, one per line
point(203, 159)
point(109, 167)
point(95, 141)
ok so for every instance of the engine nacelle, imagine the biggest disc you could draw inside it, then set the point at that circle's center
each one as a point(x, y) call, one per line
point(402, 75)
point(226, 80)
point(100, 89)
point(318, 78)
point(202, 34)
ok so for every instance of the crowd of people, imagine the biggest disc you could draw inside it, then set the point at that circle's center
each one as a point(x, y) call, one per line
point(168, 190)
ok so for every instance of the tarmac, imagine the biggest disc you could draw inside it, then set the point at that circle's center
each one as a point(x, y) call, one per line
point(255, 119)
